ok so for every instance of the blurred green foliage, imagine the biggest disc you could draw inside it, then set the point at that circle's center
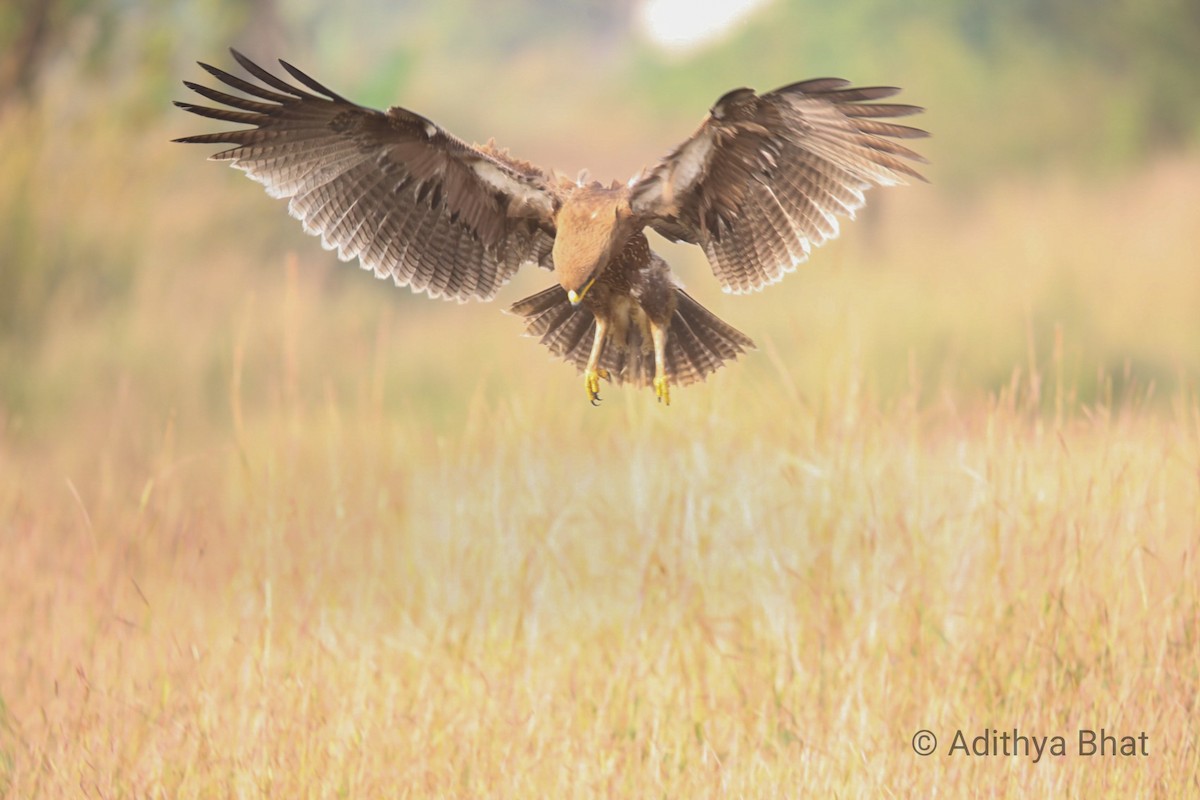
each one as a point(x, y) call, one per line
point(1022, 85)
point(1096, 82)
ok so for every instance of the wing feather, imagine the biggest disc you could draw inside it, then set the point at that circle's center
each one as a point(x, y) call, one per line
point(764, 178)
point(408, 199)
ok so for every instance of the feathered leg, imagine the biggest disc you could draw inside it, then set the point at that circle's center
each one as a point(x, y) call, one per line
point(593, 373)
point(662, 389)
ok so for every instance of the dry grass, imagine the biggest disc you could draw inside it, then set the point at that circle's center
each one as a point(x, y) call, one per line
point(260, 537)
point(645, 605)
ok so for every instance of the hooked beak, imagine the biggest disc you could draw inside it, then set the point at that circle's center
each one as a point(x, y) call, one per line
point(577, 297)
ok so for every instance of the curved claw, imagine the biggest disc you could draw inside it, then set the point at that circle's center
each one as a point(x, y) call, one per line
point(591, 383)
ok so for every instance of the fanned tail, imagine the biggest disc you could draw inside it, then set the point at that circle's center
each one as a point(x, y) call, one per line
point(566, 329)
point(698, 342)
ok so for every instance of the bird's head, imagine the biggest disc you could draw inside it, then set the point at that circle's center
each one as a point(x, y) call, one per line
point(592, 226)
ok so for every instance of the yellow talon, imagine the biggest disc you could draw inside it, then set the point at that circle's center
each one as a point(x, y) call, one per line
point(662, 390)
point(591, 382)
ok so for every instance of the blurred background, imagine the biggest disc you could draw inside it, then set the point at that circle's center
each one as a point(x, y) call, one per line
point(1059, 233)
point(271, 526)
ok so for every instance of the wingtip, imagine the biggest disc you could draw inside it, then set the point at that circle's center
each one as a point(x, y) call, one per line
point(241, 58)
point(216, 72)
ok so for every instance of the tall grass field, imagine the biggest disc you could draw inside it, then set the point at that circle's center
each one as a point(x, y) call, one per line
point(272, 528)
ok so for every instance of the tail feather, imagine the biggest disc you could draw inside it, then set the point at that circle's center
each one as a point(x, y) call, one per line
point(535, 305)
point(551, 317)
point(570, 334)
point(698, 342)
point(724, 341)
point(688, 361)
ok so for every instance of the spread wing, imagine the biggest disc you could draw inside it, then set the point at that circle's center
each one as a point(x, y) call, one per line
point(765, 177)
point(410, 200)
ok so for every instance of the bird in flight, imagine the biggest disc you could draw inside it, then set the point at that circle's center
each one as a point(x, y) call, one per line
point(761, 181)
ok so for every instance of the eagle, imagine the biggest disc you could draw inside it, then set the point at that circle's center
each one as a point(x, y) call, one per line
point(762, 181)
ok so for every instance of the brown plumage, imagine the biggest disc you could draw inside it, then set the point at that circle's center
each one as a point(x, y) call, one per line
point(761, 182)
